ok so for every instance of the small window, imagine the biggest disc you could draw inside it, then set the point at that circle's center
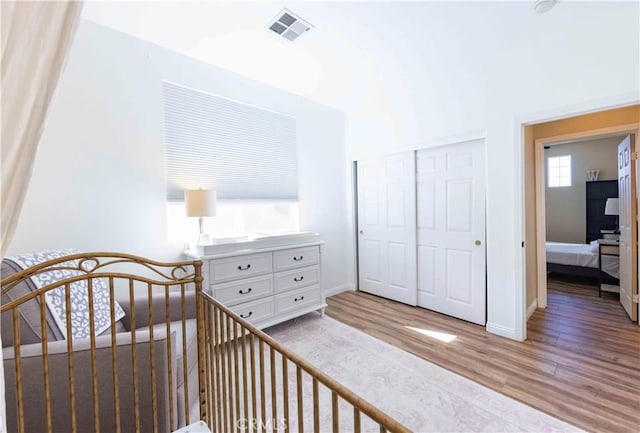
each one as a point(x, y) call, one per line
point(559, 171)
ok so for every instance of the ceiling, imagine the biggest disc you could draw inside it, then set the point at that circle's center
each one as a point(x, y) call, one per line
point(403, 72)
point(357, 53)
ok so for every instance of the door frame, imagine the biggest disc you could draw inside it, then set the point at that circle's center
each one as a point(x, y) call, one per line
point(540, 183)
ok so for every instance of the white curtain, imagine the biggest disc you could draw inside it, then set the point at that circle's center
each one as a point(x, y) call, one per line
point(36, 37)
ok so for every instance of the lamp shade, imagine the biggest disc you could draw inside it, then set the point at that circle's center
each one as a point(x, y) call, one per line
point(200, 202)
point(611, 208)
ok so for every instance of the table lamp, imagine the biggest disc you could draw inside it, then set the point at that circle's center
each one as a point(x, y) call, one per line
point(612, 208)
point(200, 203)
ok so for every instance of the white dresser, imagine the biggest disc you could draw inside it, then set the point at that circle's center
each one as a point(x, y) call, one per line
point(265, 281)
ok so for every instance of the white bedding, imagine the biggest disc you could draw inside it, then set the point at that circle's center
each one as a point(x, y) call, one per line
point(585, 255)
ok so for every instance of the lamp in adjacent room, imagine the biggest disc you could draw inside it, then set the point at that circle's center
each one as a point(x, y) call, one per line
point(612, 208)
point(200, 203)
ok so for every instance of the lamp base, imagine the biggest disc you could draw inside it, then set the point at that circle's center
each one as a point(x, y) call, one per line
point(204, 239)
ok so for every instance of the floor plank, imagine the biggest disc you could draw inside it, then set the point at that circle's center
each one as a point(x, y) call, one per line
point(581, 362)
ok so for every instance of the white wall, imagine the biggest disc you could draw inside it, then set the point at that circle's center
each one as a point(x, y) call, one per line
point(99, 182)
point(566, 206)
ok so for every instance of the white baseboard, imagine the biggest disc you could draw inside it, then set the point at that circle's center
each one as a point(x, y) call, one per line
point(532, 308)
point(339, 289)
point(502, 331)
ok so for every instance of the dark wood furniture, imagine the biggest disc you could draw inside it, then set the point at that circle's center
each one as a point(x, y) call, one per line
point(597, 194)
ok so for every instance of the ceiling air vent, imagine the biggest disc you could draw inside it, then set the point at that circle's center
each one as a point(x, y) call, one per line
point(289, 25)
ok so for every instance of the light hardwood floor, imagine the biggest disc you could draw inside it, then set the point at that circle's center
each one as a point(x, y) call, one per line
point(581, 362)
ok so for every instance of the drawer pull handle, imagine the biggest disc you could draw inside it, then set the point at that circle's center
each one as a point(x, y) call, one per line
point(245, 291)
point(240, 268)
point(247, 316)
point(296, 279)
point(297, 259)
point(298, 299)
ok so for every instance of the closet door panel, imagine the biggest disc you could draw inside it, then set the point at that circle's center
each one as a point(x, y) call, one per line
point(451, 230)
point(387, 227)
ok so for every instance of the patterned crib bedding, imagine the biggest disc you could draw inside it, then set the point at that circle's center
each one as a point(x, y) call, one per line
point(55, 299)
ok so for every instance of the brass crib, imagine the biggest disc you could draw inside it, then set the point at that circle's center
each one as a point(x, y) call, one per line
point(177, 356)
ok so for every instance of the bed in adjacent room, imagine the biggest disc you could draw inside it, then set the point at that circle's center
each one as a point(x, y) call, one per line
point(582, 260)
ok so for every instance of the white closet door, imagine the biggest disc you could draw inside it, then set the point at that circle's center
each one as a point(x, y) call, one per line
point(627, 223)
point(451, 230)
point(387, 227)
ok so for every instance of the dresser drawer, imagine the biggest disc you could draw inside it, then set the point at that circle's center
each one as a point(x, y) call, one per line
point(243, 290)
point(234, 268)
point(296, 299)
point(255, 311)
point(295, 258)
point(295, 278)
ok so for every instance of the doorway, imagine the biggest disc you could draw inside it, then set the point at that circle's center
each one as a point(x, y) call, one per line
point(608, 123)
point(582, 240)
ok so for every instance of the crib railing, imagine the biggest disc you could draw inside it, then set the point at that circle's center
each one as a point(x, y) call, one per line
point(177, 352)
point(256, 385)
point(125, 380)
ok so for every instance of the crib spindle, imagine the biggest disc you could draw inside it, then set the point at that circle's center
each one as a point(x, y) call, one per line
point(114, 357)
point(72, 386)
point(45, 361)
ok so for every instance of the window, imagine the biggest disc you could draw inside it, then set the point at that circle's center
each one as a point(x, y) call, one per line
point(247, 154)
point(559, 171)
point(234, 220)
